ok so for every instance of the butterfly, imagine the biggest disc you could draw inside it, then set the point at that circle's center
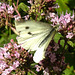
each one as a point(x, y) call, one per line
point(35, 36)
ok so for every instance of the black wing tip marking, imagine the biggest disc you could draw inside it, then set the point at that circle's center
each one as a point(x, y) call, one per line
point(19, 31)
point(46, 37)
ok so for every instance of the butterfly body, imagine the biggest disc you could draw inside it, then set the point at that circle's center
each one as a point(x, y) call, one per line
point(35, 36)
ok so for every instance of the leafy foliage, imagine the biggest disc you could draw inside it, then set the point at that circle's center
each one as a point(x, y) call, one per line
point(63, 7)
point(69, 71)
point(23, 7)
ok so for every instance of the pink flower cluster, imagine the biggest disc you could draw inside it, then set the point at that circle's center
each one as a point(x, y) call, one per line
point(6, 13)
point(13, 67)
point(9, 56)
point(65, 23)
point(6, 8)
point(63, 20)
point(38, 68)
point(17, 18)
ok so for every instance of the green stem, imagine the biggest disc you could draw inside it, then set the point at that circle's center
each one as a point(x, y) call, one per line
point(32, 72)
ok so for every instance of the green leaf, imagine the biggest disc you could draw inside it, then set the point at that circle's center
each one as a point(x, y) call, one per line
point(62, 7)
point(57, 37)
point(70, 43)
point(62, 42)
point(13, 36)
point(2, 41)
point(29, 73)
point(66, 1)
point(70, 3)
point(23, 6)
point(66, 46)
point(5, 39)
point(33, 64)
point(69, 71)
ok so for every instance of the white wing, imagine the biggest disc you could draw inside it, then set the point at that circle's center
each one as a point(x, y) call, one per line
point(39, 54)
point(35, 36)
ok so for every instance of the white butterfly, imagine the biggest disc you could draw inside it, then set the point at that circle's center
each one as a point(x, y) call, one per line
point(35, 36)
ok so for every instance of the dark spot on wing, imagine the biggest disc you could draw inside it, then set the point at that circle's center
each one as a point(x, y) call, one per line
point(26, 27)
point(29, 33)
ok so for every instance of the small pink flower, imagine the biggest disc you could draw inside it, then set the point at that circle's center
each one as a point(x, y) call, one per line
point(9, 45)
point(17, 18)
point(37, 68)
point(3, 65)
point(26, 17)
point(67, 17)
point(30, 1)
point(15, 45)
point(1, 56)
point(7, 55)
point(12, 40)
point(45, 72)
point(60, 27)
point(55, 20)
point(52, 57)
point(72, 16)
point(64, 23)
point(3, 6)
point(11, 68)
point(16, 64)
point(4, 49)
point(1, 10)
point(6, 72)
point(17, 55)
point(70, 35)
point(12, 55)
point(71, 26)
point(56, 47)
point(52, 14)
point(42, 14)
point(10, 10)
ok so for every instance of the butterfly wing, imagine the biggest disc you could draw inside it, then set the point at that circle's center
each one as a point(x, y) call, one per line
point(34, 36)
point(41, 50)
